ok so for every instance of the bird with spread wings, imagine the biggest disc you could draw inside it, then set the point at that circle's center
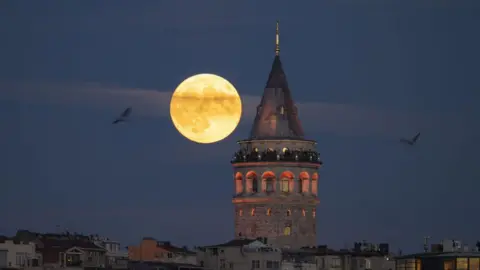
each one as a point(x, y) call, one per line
point(411, 141)
point(123, 117)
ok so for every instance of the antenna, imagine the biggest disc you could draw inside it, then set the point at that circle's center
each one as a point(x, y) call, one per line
point(277, 41)
point(425, 243)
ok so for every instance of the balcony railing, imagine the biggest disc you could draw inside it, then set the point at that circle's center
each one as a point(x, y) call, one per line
point(274, 156)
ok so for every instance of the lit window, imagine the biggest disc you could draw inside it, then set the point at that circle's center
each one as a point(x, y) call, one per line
point(314, 213)
point(418, 263)
point(462, 264)
point(284, 149)
point(269, 212)
point(448, 265)
point(252, 212)
point(304, 212)
point(474, 263)
point(289, 213)
point(285, 185)
point(287, 230)
point(240, 212)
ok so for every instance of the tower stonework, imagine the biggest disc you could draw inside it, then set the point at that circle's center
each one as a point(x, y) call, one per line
point(275, 171)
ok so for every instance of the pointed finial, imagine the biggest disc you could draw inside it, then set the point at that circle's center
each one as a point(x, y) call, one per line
point(277, 41)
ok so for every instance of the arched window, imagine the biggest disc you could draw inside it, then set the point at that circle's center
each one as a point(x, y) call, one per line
point(286, 182)
point(252, 185)
point(255, 186)
point(269, 212)
point(238, 183)
point(269, 185)
point(268, 181)
point(315, 183)
point(252, 212)
point(305, 180)
point(287, 230)
point(289, 212)
point(285, 185)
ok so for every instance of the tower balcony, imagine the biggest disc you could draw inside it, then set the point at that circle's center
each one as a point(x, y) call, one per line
point(307, 156)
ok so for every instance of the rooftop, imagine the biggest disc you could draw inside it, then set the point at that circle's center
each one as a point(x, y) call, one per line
point(277, 115)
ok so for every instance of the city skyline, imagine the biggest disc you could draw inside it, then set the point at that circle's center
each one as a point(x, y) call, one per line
point(369, 75)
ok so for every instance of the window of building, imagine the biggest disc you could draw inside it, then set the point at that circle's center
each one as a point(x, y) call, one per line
point(462, 264)
point(368, 264)
point(222, 263)
point(474, 263)
point(418, 264)
point(335, 263)
point(314, 213)
point(300, 185)
point(314, 187)
point(287, 230)
point(285, 185)
point(20, 258)
point(269, 264)
point(448, 265)
point(276, 264)
point(269, 212)
point(400, 265)
point(255, 264)
point(410, 264)
point(254, 185)
point(269, 185)
point(240, 212)
point(305, 186)
point(289, 212)
point(238, 186)
point(284, 150)
point(304, 213)
point(170, 255)
point(252, 212)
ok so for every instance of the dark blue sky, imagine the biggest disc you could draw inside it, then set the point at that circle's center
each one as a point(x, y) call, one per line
point(364, 74)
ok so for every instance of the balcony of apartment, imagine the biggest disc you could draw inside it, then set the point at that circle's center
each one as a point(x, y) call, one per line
point(271, 155)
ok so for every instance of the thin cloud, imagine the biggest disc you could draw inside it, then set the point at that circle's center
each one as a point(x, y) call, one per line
point(317, 117)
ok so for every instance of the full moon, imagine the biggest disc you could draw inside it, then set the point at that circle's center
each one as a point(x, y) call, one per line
point(205, 108)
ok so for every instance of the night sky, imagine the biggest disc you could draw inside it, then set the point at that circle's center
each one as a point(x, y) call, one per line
point(363, 73)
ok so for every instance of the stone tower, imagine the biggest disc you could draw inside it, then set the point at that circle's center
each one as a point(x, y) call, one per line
point(275, 171)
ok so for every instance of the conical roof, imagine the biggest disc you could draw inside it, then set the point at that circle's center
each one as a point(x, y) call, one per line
point(277, 115)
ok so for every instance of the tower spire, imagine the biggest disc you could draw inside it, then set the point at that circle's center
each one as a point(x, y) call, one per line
point(277, 41)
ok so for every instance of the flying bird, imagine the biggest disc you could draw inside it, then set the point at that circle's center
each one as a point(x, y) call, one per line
point(412, 141)
point(123, 117)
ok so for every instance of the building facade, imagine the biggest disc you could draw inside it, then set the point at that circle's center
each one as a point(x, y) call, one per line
point(439, 261)
point(275, 171)
point(151, 250)
point(116, 257)
point(240, 254)
point(17, 254)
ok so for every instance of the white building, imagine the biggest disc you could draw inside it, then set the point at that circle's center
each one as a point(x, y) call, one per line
point(115, 256)
point(240, 254)
point(15, 254)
